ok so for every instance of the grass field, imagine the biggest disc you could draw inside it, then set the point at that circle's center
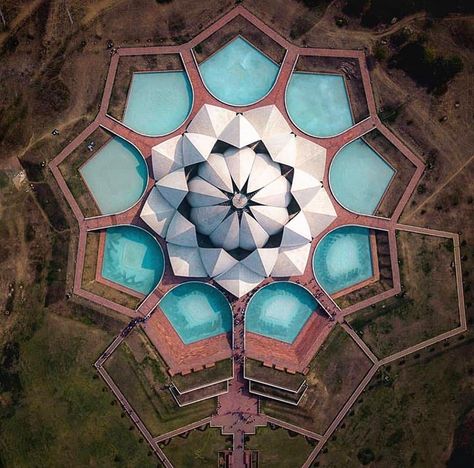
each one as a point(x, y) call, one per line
point(428, 306)
point(65, 416)
point(334, 374)
point(143, 379)
point(198, 448)
point(410, 419)
point(277, 448)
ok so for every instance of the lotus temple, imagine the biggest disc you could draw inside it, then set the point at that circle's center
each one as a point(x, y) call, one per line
point(237, 196)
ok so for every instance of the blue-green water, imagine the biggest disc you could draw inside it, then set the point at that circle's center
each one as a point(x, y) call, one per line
point(358, 177)
point(318, 103)
point(279, 310)
point(239, 74)
point(117, 176)
point(343, 258)
point(132, 258)
point(158, 102)
point(197, 311)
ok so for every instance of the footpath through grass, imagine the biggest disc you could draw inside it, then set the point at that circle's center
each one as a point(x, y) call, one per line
point(428, 305)
point(335, 372)
point(141, 375)
point(278, 448)
point(409, 414)
point(198, 448)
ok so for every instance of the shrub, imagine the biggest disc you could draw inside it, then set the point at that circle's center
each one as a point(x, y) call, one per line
point(365, 456)
point(430, 71)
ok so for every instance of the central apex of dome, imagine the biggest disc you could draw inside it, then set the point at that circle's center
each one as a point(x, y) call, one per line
point(239, 201)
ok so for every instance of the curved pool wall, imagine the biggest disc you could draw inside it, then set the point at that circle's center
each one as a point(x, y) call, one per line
point(279, 310)
point(343, 258)
point(116, 176)
point(158, 102)
point(197, 311)
point(132, 258)
point(318, 103)
point(359, 177)
point(239, 74)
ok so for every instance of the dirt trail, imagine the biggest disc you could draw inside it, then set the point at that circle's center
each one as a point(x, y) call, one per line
point(440, 188)
point(16, 24)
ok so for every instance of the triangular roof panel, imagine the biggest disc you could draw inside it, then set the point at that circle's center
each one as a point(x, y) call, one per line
point(173, 187)
point(216, 261)
point(282, 148)
point(310, 157)
point(239, 132)
point(181, 231)
point(267, 121)
point(202, 193)
point(157, 212)
point(252, 235)
point(296, 231)
point(271, 218)
point(167, 157)
point(186, 261)
point(304, 187)
point(276, 193)
point(239, 162)
point(239, 280)
point(196, 148)
point(319, 212)
point(216, 172)
point(211, 120)
point(261, 261)
point(291, 261)
point(207, 218)
point(264, 171)
point(226, 235)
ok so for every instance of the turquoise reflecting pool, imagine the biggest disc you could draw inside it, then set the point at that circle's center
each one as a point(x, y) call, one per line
point(158, 102)
point(132, 258)
point(343, 258)
point(197, 311)
point(279, 310)
point(358, 177)
point(116, 176)
point(239, 74)
point(318, 103)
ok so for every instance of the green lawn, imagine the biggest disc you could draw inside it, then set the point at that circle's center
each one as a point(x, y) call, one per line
point(220, 371)
point(142, 378)
point(199, 448)
point(335, 372)
point(277, 449)
point(64, 416)
point(410, 419)
point(256, 370)
point(428, 306)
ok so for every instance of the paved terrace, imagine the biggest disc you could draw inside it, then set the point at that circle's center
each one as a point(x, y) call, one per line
point(238, 410)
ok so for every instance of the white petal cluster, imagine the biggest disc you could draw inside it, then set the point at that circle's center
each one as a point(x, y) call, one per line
point(239, 199)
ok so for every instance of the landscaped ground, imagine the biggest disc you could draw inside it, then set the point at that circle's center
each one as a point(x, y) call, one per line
point(141, 375)
point(409, 416)
point(61, 413)
point(51, 76)
point(334, 374)
point(428, 305)
point(277, 448)
point(198, 448)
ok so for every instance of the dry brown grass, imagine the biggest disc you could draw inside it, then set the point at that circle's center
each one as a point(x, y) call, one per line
point(428, 305)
